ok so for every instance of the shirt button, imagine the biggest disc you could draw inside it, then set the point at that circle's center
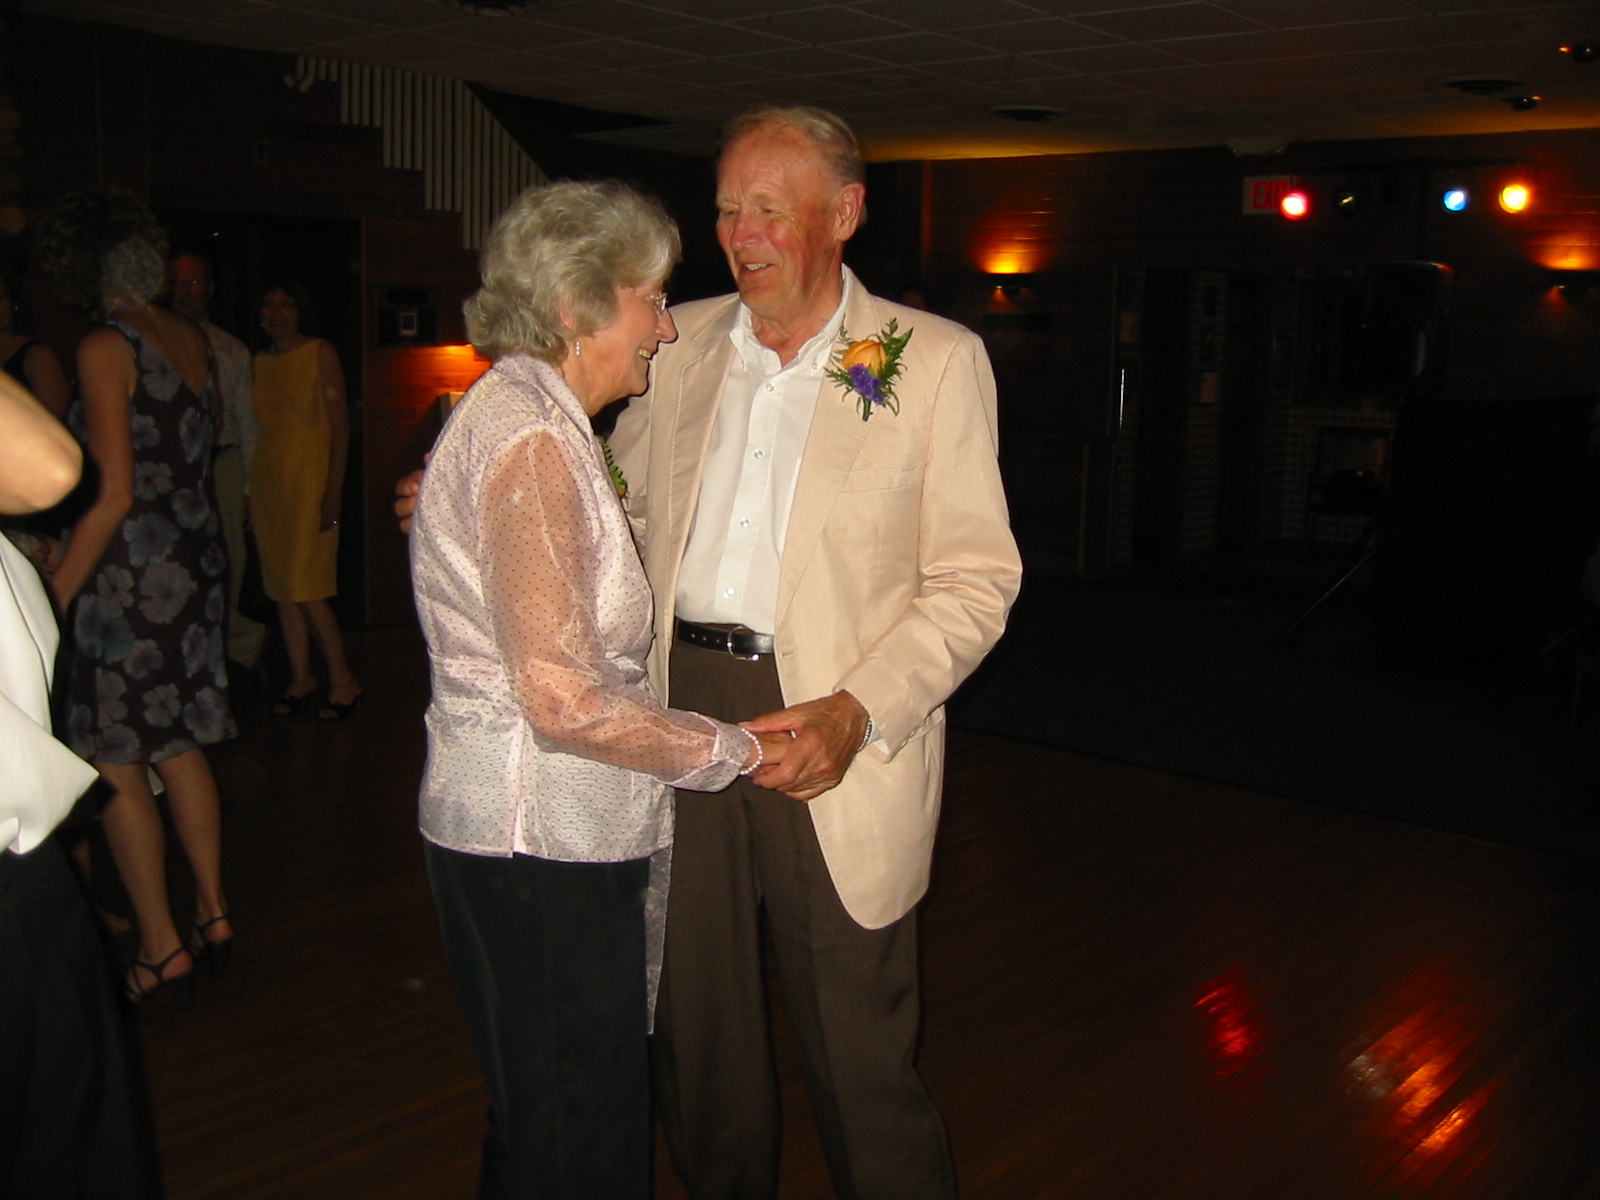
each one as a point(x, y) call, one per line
point(727, 591)
point(744, 522)
point(761, 453)
point(769, 387)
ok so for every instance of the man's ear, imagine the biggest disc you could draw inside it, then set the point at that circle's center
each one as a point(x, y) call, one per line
point(850, 208)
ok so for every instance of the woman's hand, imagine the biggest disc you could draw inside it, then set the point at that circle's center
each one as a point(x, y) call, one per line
point(768, 751)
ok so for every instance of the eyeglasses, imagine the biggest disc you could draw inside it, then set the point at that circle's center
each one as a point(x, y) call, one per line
point(659, 299)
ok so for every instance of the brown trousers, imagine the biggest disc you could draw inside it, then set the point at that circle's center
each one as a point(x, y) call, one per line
point(851, 992)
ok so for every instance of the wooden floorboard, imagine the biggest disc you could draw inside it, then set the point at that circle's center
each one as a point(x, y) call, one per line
point(1137, 987)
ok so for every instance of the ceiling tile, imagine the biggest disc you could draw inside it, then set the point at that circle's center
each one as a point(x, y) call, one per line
point(1245, 47)
point(609, 16)
point(909, 49)
point(1303, 14)
point(812, 62)
point(724, 10)
point(1048, 33)
point(716, 72)
point(295, 25)
point(823, 26)
point(1206, 85)
point(1121, 56)
point(624, 53)
point(997, 68)
point(405, 48)
point(393, 14)
point(1168, 21)
point(1390, 35)
point(258, 39)
point(947, 14)
point(711, 38)
point(516, 35)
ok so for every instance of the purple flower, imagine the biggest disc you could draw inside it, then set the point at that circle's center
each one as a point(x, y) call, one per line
point(867, 384)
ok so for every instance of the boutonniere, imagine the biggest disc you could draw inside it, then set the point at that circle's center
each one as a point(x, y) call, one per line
point(867, 369)
point(618, 480)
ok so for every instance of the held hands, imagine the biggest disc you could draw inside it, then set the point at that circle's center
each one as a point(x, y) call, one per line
point(826, 733)
point(773, 746)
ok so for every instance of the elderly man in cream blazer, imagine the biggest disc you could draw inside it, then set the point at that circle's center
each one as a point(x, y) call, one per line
point(834, 544)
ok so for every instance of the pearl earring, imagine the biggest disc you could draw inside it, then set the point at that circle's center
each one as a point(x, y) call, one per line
point(577, 347)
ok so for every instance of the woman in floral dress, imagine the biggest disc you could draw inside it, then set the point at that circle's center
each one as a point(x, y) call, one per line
point(143, 580)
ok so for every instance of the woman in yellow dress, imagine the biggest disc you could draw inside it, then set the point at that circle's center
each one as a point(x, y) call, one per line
point(296, 478)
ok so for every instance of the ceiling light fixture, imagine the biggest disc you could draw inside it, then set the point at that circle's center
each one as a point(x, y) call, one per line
point(1026, 114)
point(1523, 103)
point(1585, 53)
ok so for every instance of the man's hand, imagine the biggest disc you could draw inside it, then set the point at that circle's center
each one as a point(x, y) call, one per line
point(827, 733)
point(406, 497)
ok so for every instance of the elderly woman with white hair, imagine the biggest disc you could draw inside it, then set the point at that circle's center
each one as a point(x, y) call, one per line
point(546, 804)
point(143, 578)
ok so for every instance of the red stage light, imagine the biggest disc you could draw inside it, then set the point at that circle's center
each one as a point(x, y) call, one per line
point(1295, 204)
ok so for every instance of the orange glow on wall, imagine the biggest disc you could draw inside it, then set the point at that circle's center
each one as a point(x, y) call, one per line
point(1569, 258)
point(1009, 260)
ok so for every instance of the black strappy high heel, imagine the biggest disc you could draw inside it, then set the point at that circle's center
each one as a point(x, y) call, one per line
point(218, 956)
point(182, 985)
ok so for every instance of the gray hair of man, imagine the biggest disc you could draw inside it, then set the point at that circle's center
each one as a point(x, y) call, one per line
point(827, 132)
point(555, 259)
point(132, 272)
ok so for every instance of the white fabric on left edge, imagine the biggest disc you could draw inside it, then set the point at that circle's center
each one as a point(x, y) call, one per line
point(42, 778)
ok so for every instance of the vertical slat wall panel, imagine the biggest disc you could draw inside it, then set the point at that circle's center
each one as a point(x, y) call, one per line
point(469, 163)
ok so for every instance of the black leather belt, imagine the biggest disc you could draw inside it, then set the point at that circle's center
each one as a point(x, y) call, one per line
point(732, 639)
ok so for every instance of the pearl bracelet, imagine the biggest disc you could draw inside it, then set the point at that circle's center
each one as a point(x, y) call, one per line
point(761, 755)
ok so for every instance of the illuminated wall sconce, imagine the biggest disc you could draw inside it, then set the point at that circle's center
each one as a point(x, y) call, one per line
point(1455, 200)
point(1011, 283)
point(1515, 197)
point(1296, 204)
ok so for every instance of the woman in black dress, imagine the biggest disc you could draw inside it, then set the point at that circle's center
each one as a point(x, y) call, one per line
point(143, 579)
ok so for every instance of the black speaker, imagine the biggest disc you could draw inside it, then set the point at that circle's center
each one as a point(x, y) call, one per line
point(1399, 346)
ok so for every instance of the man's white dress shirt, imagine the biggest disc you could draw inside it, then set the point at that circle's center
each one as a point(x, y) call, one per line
point(730, 567)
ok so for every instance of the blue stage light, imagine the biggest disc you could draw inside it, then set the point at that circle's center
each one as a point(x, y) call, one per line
point(1455, 200)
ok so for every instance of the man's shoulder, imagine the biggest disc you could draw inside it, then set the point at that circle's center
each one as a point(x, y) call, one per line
point(693, 316)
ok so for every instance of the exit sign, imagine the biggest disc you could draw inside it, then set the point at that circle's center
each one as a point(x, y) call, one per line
point(1262, 192)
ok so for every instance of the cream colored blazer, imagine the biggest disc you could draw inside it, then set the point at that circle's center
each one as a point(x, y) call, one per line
point(898, 569)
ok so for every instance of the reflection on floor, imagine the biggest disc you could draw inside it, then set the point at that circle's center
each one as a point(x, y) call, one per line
point(1138, 986)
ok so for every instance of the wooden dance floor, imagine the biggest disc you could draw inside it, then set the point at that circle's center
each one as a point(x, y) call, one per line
point(1138, 987)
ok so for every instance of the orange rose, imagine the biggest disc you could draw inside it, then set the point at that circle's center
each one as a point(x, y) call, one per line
point(866, 353)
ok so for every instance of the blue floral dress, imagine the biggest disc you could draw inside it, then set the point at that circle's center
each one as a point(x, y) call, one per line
point(146, 680)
